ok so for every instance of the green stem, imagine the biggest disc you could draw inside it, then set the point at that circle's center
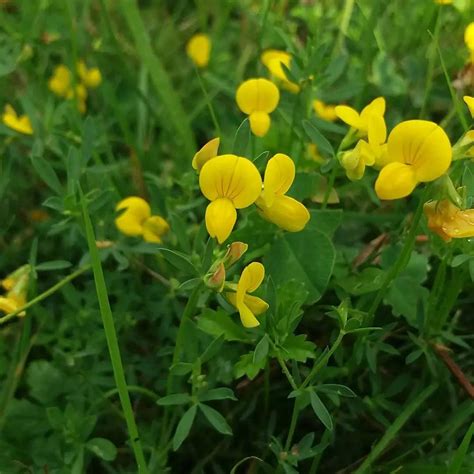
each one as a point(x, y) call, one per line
point(285, 370)
point(330, 186)
point(396, 426)
point(134, 388)
point(44, 295)
point(402, 260)
point(209, 103)
point(112, 342)
point(323, 361)
point(291, 430)
point(344, 26)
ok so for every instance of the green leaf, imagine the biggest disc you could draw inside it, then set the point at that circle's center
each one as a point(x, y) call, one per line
point(217, 323)
point(325, 220)
point(174, 399)
point(53, 265)
point(368, 280)
point(184, 427)
point(242, 138)
point(246, 366)
point(298, 348)
point(179, 260)
point(289, 258)
point(47, 174)
point(222, 393)
point(46, 382)
point(261, 350)
point(341, 390)
point(212, 349)
point(103, 448)
point(215, 419)
point(458, 458)
point(318, 139)
point(321, 411)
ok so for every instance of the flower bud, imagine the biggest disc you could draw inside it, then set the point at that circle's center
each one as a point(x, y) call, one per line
point(215, 279)
point(234, 251)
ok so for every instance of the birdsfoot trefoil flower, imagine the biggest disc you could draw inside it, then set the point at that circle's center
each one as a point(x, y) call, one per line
point(19, 123)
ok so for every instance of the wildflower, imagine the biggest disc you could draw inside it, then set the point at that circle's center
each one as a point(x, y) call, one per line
point(448, 221)
point(234, 253)
point(417, 151)
point(470, 104)
point(19, 123)
point(284, 211)
point(60, 81)
point(444, 2)
point(258, 98)
point(274, 60)
point(325, 111)
point(16, 285)
point(137, 220)
point(367, 153)
point(215, 279)
point(360, 122)
point(91, 78)
point(198, 49)
point(208, 151)
point(469, 39)
point(249, 306)
point(230, 182)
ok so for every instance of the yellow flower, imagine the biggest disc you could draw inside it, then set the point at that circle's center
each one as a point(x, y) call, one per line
point(80, 94)
point(16, 285)
point(284, 211)
point(469, 39)
point(448, 221)
point(361, 121)
point(208, 151)
point(136, 220)
point(230, 182)
point(417, 151)
point(12, 303)
point(470, 104)
point(198, 49)
point(258, 98)
point(19, 123)
point(325, 111)
point(249, 306)
point(91, 78)
point(465, 146)
point(60, 81)
point(444, 2)
point(367, 153)
point(273, 60)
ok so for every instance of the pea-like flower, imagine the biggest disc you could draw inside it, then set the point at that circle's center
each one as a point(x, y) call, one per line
point(19, 123)
point(469, 39)
point(361, 121)
point(208, 151)
point(60, 81)
point(470, 104)
point(273, 204)
point(448, 221)
point(274, 60)
point(230, 182)
point(249, 306)
point(325, 111)
point(367, 153)
point(418, 151)
point(136, 220)
point(16, 286)
point(90, 77)
point(198, 49)
point(258, 98)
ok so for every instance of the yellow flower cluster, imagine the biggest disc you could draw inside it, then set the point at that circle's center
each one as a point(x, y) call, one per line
point(19, 123)
point(136, 220)
point(62, 83)
point(16, 287)
point(233, 182)
point(198, 49)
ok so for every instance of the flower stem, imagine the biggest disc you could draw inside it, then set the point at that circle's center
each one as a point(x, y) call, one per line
point(291, 430)
point(112, 341)
point(402, 260)
point(44, 295)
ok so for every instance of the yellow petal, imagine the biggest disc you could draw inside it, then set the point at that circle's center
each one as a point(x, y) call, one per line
point(60, 82)
point(350, 159)
point(257, 95)
point(286, 212)
point(273, 60)
point(279, 176)
point(154, 228)
point(231, 177)
point(470, 104)
point(255, 304)
point(376, 107)
point(469, 36)
point(348, 115)
point(20, 124)
point(377, 131)
point(8, 305)
point(422, 144)
point(259, 123)
point(325, 111)
point(220, 218)
point(250, 279)
point(131, 221)
point(208, 151)
point(395, 181)
point(198, 49)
